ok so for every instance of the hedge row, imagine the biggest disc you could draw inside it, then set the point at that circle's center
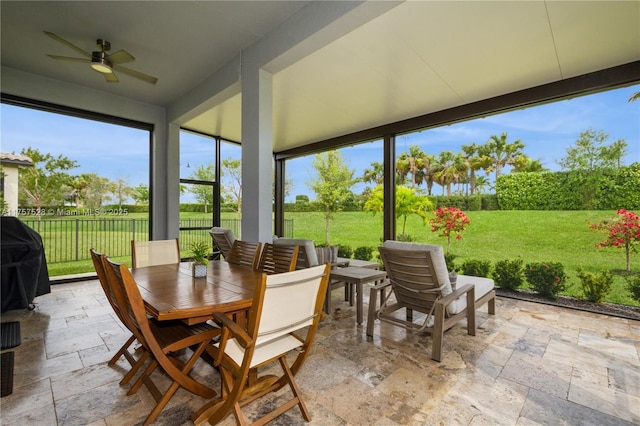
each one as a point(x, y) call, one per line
point(607, 189)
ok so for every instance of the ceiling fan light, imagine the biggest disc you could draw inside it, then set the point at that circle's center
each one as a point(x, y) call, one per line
point(101, 63)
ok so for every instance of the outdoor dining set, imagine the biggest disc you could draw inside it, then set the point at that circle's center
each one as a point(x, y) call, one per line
point(261, 304)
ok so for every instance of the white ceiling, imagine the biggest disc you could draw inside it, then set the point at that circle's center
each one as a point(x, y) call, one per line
point(406, 60)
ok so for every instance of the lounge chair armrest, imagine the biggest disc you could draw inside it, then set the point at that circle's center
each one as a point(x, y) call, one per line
point(384, 284)
point(460, 291)
point(241, 336)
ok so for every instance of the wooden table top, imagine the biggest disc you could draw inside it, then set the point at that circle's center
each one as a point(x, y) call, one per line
point(170, 292)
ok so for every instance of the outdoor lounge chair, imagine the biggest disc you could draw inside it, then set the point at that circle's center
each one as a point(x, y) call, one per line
point(419, 281)
point(223, 239)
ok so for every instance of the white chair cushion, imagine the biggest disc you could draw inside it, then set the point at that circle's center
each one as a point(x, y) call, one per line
point(482, 286)
point(327, 254)
point(307, 245)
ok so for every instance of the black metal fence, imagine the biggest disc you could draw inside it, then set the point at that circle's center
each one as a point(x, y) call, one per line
point(69, 240)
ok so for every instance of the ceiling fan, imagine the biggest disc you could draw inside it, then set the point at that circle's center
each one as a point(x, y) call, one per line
point(102, 61)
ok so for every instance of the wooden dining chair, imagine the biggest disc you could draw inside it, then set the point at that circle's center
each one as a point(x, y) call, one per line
point(155, 252)
point(124, 350)
point(284, 305)
point(162, 339)
point(223, 239)
point(245, 254)
point(277, 259)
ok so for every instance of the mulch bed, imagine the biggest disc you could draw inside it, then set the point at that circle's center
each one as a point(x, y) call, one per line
point(611, 309)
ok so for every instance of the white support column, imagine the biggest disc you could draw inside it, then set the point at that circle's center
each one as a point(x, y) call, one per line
point(257, 154)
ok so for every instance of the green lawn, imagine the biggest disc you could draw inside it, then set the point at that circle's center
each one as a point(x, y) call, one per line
point(535, 236)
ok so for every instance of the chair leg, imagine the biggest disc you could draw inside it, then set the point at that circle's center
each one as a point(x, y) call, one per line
point(135, 368)
point(471, 313)
point(438, 332)
point(124, 352)
point(371, 317)
point(492, 305)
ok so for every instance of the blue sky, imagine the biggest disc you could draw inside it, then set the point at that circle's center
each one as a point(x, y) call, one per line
point(118, 152)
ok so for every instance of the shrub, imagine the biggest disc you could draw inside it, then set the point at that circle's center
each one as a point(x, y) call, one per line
point(449, 259)
point(405, 237)
point(476, 268)
point(546, 278)
point(345, 251)
point(363, 253)
point(595, 287)
point(509, 274)
point(633, 286)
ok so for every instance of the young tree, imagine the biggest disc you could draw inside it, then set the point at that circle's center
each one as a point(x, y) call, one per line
point(44, 182)
point(140, 194)
point(232, 181)
point(407, 203)
point(98, 190)
point(590, 152)
point(333, 184)
point(623, 231)
point(122, 191)
point(78, 185)
point(203, 193)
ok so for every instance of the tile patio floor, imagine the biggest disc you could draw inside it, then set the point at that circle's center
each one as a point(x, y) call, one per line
point(531, 364)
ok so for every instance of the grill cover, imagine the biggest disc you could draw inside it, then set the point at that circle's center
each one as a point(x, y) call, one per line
point(23, 263)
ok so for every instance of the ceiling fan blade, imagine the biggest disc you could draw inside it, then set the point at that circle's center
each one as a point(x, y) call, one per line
point(121, 57)
point(68, 58)
point(68, 44)
point(110, 77)
point(136, 74)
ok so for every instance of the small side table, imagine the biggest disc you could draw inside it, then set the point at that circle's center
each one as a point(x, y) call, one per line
point(355, 276)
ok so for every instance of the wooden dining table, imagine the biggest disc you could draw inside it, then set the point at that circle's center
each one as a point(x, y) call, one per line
point(171, 293)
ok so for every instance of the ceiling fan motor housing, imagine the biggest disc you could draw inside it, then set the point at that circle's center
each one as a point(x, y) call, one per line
point(100, 62)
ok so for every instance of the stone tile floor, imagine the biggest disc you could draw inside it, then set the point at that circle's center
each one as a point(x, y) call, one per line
point(531, 364)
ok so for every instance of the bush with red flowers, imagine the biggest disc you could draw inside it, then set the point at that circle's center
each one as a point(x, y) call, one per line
point(623, 231)
point(449, 221)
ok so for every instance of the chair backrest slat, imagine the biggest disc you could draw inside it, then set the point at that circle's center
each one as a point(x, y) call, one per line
point(245, 254)
point(412, 276)
point(278, 259)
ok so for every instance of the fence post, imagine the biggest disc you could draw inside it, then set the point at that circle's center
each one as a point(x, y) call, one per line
point(77, 238)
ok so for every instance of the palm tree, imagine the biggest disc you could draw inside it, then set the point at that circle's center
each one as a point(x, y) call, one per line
point(523, 163)
point(412, 163)
point(375, 174)
point(474, 161)
point(452, 170)
point(482, 183)
point(501, 152)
